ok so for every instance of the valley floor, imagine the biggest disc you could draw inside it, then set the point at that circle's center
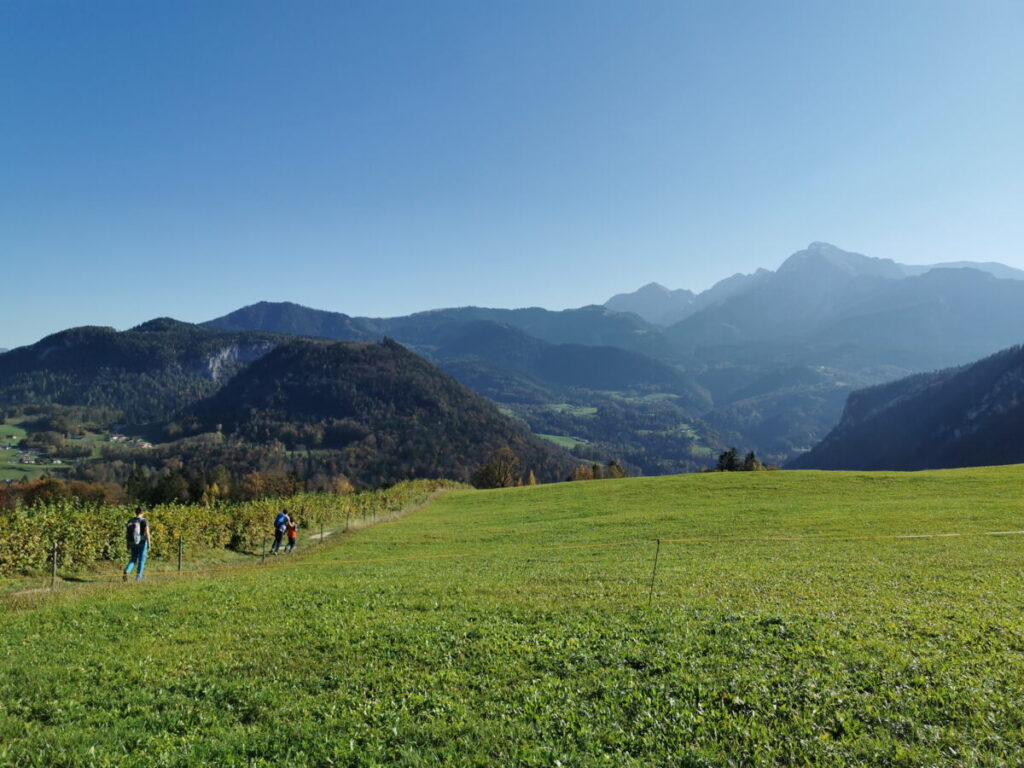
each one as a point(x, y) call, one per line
point(795, 618)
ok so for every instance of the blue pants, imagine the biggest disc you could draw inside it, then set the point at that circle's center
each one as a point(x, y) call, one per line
point(138, 557)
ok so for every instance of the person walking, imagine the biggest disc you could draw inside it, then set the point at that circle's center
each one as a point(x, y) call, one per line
point(280, 527)
point(137, 538)
point(293, 534)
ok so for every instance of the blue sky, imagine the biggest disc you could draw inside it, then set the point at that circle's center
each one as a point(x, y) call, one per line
point(377, 158)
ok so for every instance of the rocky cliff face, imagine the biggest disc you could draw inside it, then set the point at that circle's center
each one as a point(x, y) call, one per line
point(227, 361)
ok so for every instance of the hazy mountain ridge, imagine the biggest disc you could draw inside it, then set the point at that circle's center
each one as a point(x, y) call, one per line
point(767, 364)
point(662, 306)
point(654, 303)
point(591, 326)
point(823, 297)
point(845, 319)
point(967, 416)
point(605, 368)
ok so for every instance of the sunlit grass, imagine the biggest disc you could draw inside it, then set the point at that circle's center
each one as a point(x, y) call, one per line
point(791, 622)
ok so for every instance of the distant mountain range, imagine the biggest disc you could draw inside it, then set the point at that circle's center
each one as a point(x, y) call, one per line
point(762, 361)
point(967, 416)
point(824, 306)
point(590, 326)
point(661, 306)
point(843, 321)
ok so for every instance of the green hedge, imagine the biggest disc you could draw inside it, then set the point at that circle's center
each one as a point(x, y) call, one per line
point(89, 533)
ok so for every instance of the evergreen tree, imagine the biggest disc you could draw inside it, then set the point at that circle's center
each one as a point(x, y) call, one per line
point(752, 463)
point(729, 461)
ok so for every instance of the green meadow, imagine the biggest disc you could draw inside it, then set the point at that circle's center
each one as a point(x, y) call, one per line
point(563, 440)
point(794, 618)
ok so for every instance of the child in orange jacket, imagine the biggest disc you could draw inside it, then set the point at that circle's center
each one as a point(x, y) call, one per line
point(292, 530)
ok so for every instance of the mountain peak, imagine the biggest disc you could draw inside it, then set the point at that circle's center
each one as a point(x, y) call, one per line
point(656, 288)
point(819, 246)
point(820, 256)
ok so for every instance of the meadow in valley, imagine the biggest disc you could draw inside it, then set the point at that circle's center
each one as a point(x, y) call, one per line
point(794, 618)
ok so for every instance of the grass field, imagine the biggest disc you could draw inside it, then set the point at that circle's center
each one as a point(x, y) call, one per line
point(563, 440)
point(797, 618)
point(572, 410)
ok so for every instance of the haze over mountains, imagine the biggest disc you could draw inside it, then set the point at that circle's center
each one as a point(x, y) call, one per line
point(762, 361)
point(659, 305)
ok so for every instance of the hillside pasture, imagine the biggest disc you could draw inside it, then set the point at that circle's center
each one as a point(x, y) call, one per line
point(795, 618)
point(563, 440)
point(13, 469)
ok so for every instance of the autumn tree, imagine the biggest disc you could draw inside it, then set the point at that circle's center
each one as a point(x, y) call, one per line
point(502, 470)
point(583, 472)
point(614, 470)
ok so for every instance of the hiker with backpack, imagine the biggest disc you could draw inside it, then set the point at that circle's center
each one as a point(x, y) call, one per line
point(137, 538)
point(280, 526)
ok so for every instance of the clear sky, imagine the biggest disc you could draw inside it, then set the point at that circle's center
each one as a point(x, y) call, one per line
point(376, 158)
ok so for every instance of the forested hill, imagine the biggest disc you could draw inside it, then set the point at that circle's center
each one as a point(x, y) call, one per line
point(592, 325)
point(296, 320)
point(147, 373)
point(968, 416)
point(390, 414)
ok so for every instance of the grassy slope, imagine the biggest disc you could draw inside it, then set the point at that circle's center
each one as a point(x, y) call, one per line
point(565, 442)
point(463, 635)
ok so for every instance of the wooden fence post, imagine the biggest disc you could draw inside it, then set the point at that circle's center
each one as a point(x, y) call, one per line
point(657, 551)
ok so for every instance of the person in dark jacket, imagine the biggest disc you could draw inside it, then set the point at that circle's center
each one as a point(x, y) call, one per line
point(280, 526)
point(137, 538)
